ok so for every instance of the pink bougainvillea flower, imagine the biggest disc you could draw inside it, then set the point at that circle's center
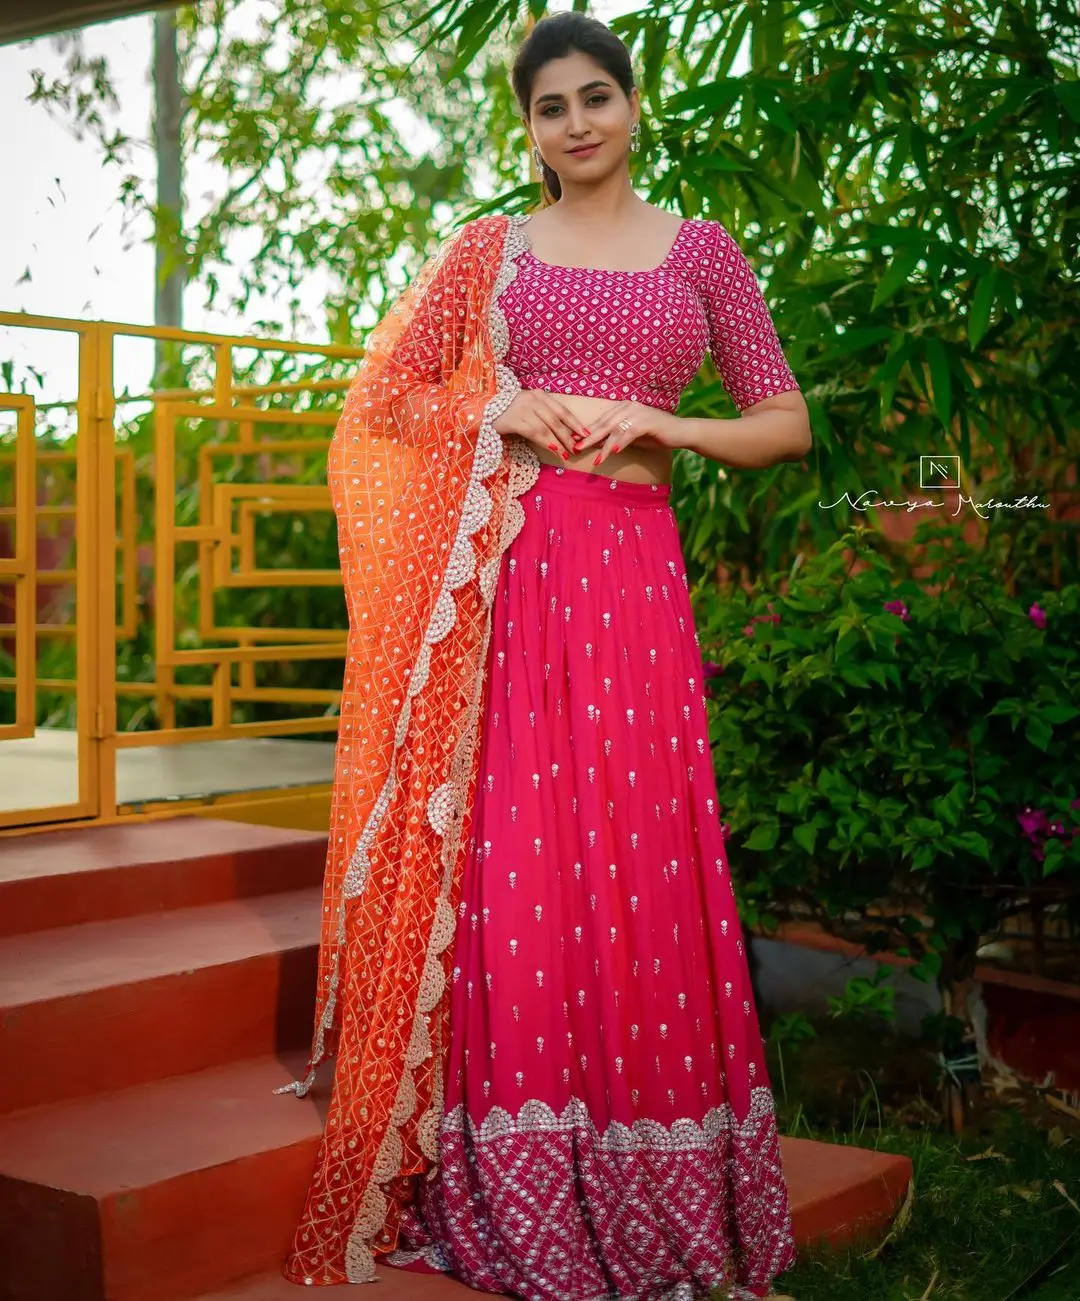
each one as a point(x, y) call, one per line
point(1037, 615)
point(713, 669)
point(899, 609)
point(725, 829)
point(1033, 822)
point(771, 617)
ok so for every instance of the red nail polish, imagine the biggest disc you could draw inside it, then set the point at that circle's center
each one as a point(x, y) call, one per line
point(597, 461)
point(553, 447)
point(566, 456)
point(615, 448)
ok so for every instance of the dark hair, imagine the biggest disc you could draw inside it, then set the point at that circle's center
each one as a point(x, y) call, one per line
point(555, 37)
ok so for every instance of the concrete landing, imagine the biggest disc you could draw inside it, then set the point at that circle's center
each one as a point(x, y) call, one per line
point(41, 772)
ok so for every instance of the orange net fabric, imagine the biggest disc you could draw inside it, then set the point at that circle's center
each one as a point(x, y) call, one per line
point(425, 492)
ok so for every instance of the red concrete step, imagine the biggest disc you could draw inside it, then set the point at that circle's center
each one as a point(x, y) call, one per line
point(173, 1190)
point(63, 878)
point(86, 1009)
point(839, 1193)
point(155, 1193)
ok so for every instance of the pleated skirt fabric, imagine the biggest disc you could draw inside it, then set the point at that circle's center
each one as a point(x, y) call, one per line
point(608, 1128)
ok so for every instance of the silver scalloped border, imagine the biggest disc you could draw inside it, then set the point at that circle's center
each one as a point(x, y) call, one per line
point(644, 1135)
point(445, 807)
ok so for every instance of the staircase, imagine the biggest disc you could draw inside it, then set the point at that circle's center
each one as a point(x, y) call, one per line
point(156, 985)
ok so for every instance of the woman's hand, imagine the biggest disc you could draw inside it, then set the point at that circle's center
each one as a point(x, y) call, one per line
point(643, 421)
point(542, 419)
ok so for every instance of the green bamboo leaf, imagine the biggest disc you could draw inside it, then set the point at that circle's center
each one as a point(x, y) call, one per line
point(887, 376)
point(718, 163)
point(981, 305)
point(1014, 97)
point(1068, 96)
point(919, 154)
point(689, 26)
point(855, 341)
point(477, 23)
point(965, 435)
point(819, 424)
point(655, 56)
point(940, 377)
point(898, 273)
point(769, 103)
point(1051, 126)
point(881, 86)
point(717, 96)
point(901, 152)
point(735, 40)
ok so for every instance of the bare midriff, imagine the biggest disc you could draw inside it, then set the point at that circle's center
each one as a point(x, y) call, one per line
point(644, 461)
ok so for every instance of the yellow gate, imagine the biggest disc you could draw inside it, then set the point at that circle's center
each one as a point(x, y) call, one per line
point(171, 620)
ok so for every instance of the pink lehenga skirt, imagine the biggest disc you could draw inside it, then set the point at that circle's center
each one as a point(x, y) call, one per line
point(608, 1127)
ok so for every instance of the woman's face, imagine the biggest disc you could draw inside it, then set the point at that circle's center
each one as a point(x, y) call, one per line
point(575, 102)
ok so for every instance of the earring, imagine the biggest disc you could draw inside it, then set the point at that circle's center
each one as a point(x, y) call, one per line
point(635, 137)
point(538, 160)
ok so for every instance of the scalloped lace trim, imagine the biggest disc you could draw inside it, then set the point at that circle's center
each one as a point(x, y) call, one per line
point(643, 1135)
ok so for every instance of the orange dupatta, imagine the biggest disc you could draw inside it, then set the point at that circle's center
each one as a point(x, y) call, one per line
point(425, 494)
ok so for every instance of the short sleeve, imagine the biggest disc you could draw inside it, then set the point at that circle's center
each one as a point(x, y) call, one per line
point(743, 342)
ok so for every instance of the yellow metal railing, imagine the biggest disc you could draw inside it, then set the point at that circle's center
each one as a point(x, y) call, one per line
point(19, 571)
point(137, 524)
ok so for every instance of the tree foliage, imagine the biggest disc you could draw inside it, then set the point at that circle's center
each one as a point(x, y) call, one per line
point(903, 174)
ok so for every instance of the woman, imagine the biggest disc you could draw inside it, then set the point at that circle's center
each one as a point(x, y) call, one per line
point(549, 1076)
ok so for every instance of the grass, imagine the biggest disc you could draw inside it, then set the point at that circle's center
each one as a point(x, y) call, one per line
point(994, 1214)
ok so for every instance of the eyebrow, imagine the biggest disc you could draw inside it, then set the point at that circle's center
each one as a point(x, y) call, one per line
point(589, 85)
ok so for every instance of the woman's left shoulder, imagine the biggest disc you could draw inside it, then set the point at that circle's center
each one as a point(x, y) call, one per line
point(696, 243)
point(492, 223)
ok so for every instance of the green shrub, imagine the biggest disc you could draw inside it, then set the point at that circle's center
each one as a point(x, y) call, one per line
point(895, 759)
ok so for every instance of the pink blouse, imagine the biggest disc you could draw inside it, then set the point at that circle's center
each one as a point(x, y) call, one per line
point(642, 335)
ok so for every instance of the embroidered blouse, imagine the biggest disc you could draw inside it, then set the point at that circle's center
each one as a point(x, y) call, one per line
point(642, 335)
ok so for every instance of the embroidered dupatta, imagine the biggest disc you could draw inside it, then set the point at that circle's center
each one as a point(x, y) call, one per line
point(425, 493)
